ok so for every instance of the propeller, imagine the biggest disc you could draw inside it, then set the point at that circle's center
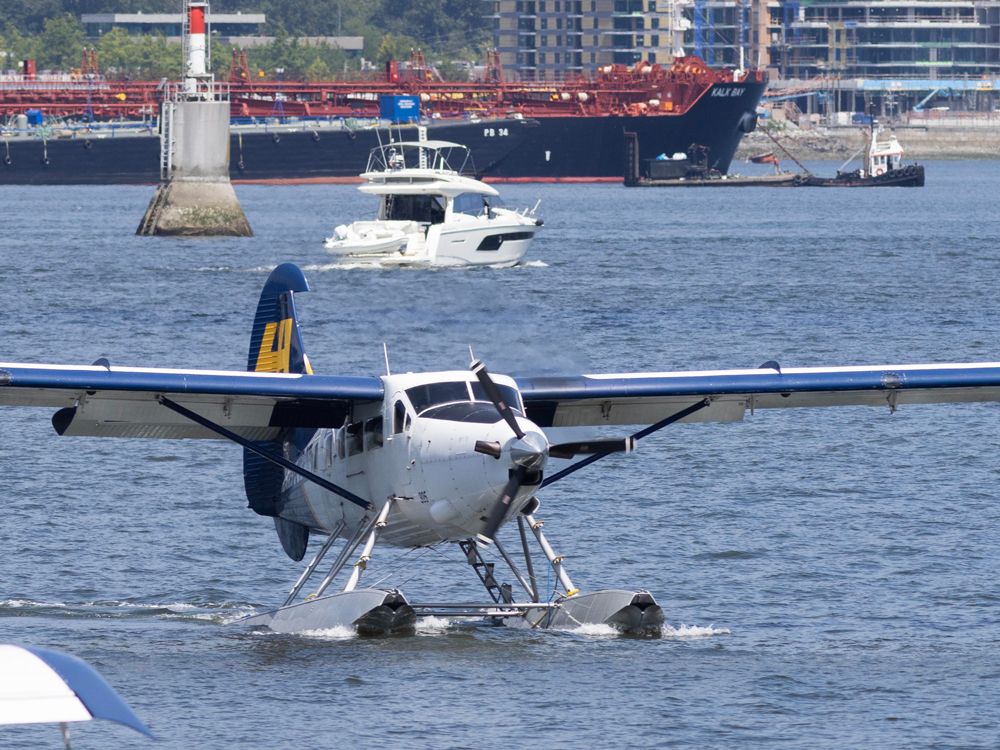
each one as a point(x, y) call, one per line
point(480, 371)
point(528, 453)
point(501, 506)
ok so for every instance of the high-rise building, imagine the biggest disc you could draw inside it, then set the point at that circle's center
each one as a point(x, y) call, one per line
point(927, 39)
point(885, 38)
point(553, 39)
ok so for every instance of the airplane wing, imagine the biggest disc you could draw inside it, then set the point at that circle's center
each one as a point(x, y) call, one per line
point(104, 401)
point(646, 398)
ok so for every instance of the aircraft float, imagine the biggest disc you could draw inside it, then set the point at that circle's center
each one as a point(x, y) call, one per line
point(421, 459)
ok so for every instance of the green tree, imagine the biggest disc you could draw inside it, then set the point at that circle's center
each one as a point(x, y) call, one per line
point(18, 47)
point(140, 57)
point(318, 70)
point(49, 31)
point(395, 47)
point(60, 45)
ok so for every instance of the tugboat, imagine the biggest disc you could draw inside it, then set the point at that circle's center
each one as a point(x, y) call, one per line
point(883, 167)
point(431, 214)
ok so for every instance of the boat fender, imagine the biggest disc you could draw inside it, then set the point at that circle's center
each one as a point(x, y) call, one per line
point(315, 136)
point(879, 171)
point(351, 134)
point(276, 138)
point(748, 122)
point(241, 165)
point(87, 144)
point(8, 161)
point(45, 161)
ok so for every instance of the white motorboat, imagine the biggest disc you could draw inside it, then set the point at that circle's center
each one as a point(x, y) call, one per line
point(432, 214)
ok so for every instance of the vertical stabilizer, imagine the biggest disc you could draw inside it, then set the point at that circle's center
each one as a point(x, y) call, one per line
point(276, 346)
point(275, 342)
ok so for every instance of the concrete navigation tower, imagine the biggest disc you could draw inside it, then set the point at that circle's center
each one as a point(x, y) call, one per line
point(195, 196)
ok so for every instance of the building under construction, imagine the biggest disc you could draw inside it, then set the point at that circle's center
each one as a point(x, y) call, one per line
point(554, 39)
point(830, 55)
point(796, 38)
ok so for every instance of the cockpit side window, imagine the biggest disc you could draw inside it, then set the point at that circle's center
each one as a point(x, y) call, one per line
point(398, 417)
point(373, 433)
point(354, 438)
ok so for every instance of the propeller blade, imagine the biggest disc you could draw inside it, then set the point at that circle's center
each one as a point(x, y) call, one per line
point(488, 448)
point(502, 505)
point(584, 448)
point(494, 394)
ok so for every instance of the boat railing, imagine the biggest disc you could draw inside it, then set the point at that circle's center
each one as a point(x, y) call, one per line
point(207, 90)
point(432, 156)
point(62, 131)
point(278, 124)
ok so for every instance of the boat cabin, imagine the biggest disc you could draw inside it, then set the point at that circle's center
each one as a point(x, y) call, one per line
point(433, 209)
point(883, 156)
point(416, 182)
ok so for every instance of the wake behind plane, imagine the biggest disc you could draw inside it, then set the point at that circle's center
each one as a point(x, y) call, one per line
point(420, 459)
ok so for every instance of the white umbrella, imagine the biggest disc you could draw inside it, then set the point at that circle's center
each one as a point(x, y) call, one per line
point(39, 685)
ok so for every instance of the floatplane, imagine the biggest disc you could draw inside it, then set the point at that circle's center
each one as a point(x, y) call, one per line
point(420, 459)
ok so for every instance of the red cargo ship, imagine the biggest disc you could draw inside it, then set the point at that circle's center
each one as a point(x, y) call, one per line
point(322, 131)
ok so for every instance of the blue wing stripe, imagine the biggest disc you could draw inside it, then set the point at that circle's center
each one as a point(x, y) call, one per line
point(190, 382)
point(753, 382)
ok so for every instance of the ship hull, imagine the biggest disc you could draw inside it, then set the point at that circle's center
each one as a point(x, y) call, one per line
point(909, 176)
point(571, 148)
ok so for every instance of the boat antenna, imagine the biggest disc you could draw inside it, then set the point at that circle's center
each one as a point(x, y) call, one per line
point(472, 357)
point(385, 353)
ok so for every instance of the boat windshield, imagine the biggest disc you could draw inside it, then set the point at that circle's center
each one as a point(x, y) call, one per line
point(425, 209)
point(424, 397)
point(472, 204)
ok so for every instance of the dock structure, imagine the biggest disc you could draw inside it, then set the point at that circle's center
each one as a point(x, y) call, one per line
point(195, 196)
point(695, 172)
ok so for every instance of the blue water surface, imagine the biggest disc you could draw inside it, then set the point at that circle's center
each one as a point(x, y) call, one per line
point(830, 577)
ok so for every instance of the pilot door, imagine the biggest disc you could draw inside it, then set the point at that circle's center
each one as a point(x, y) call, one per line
point(400, 423)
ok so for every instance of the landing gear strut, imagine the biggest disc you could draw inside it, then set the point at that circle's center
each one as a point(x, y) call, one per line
point(369, 611)
point(627, 611)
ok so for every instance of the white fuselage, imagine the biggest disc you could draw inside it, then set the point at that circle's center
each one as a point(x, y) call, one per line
point(417, 447)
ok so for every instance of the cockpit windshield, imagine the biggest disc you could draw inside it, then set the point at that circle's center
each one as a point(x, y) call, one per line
point(424, 397)
point(464, 412)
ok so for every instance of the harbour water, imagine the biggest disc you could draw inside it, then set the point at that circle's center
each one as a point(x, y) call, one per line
point(830, 577)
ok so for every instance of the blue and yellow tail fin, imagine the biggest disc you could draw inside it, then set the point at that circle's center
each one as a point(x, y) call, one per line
point(275, 342)
point(276, 346)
